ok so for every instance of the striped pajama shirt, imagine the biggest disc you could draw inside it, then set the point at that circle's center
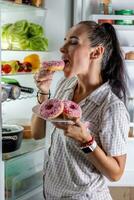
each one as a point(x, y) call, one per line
point(68, 172)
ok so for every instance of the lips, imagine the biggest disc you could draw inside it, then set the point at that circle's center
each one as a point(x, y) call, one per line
point(66, 61)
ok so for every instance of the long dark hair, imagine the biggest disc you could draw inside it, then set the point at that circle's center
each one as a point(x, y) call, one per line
point(112, 66)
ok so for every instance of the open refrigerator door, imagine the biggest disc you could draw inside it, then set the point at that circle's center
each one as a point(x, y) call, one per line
point(29, 36)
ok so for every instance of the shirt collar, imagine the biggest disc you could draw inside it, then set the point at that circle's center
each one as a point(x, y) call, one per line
point(97, 96)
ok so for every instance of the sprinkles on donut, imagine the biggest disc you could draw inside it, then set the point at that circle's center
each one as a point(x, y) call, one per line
point(51, 108)
point(54, 65)
point(71, 109)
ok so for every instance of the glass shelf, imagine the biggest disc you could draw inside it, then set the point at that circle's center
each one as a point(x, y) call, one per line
point(113, 17)
point(129, 61)
point(128, 48)
point(6, 6)
point(27, 146)
point(19, 74)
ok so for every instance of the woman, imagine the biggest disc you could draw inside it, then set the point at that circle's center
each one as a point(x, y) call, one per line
point(78, 159)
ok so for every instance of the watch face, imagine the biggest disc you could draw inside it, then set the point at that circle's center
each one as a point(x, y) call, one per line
point(86, 150)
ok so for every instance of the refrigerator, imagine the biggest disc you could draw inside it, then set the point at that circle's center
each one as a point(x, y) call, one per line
point(59, 16)
point(90, 10)
point(21, 170)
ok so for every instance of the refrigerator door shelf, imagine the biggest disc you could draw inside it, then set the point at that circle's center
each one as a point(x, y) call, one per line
point(113, 17)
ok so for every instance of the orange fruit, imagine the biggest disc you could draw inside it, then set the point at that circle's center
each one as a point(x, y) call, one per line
point(34, 59)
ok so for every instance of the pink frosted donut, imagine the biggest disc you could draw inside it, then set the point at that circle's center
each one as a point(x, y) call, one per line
point(71, 109)
point(51, 108)
point(54, 65)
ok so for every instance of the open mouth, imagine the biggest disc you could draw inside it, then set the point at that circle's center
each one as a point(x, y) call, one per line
point(66, 61)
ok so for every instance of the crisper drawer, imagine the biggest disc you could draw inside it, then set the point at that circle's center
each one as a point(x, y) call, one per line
point(36, 194)
point(23, 174)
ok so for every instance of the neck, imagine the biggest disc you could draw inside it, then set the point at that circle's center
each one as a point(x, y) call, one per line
point(87, 83)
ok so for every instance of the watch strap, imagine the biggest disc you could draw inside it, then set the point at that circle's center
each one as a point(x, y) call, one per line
point(89, 148)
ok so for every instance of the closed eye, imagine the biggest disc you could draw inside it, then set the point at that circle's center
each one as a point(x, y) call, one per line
point(74, 41)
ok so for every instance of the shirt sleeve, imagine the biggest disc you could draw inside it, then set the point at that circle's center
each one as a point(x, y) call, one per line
point(114, 129)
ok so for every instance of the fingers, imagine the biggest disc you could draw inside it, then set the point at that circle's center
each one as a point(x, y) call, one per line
point(43, 75)
point(43, 79)
point(63, 126)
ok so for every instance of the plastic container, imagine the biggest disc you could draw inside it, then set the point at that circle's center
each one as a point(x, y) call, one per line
point(110, 21)
point(105, 8)
point(124, 12)
point(12, 90)
point(4, 94)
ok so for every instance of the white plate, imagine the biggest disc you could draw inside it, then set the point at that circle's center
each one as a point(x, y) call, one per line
point(35, 110)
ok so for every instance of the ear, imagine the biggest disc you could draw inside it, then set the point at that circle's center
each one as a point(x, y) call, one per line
point(97, 52)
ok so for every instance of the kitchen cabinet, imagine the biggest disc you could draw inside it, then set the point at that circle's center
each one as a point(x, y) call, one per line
point(122, 193)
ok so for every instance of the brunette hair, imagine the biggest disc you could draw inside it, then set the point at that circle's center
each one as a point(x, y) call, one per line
point(112, 66)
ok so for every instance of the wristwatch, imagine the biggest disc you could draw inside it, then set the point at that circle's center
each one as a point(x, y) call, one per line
point(89, 147)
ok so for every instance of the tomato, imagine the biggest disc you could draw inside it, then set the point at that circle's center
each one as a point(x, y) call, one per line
point(6, 68)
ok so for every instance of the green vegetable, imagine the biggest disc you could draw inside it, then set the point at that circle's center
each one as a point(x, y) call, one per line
point(24, 35)
point(35, 30)
point(20, 27)
point(5, 36)
point(19, 42)
point(38, 43)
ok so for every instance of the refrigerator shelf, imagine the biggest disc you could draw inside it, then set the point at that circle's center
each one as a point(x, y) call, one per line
point(23, 96)
point(127, 48)
point(6, 6)
point(124, 27)
point(19, 74)
point(129, 62)
point(115, 17)
point(112, 17)
point(19, 55)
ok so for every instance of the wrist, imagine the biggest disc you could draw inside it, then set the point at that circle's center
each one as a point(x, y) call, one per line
point(42, 96)
point(88, 148)
point(89, 140)
point(87, 137)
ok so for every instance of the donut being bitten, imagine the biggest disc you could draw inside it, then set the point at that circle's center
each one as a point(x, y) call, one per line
point(51, 108)
point(54, 65)
point(71, 109)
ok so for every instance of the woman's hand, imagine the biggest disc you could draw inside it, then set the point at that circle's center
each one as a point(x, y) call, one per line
point(43, 79)
point(76, 130)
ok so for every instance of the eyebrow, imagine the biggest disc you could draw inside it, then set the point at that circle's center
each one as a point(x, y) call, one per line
point(72, 37)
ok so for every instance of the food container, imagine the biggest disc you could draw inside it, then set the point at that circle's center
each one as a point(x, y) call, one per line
point(12, 90)
point(27, 134)
point(110, 21)
point(124, 12)
point(11, 137)
point(4, 94)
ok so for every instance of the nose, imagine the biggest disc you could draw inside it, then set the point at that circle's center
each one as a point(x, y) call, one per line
point(62, 49)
